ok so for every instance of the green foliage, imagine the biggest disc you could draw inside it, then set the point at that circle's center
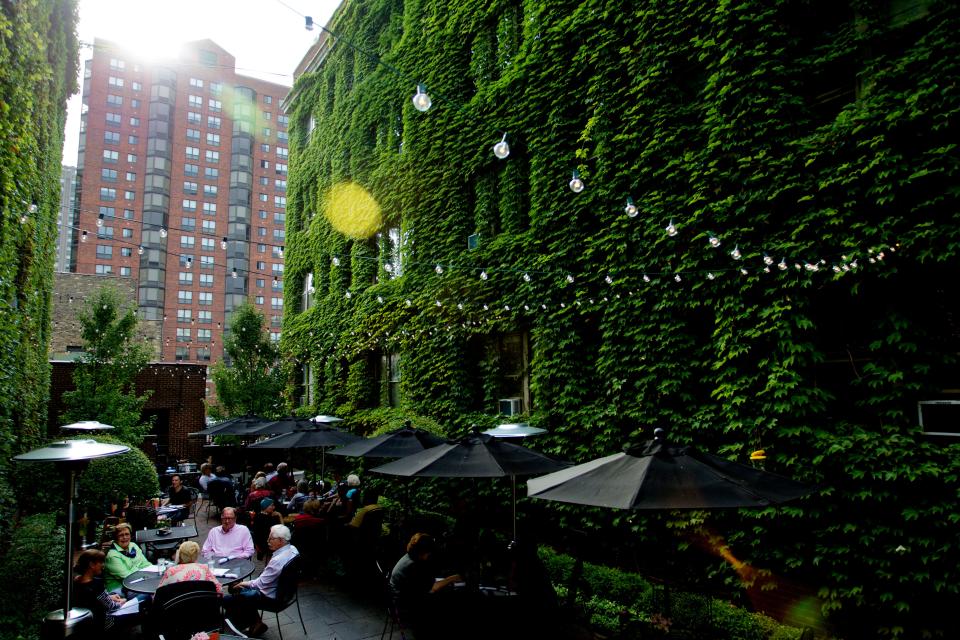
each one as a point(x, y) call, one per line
point(38, 71)
point(802, 129)
point(252, 383)
point(31, 573)
point(105, 376)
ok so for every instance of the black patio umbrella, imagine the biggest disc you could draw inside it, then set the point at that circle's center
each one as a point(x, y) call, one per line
point(395, 444)
point(320, 436)
point(661, 475)
point(475, 456)
point(240, 426)
point(288, 424)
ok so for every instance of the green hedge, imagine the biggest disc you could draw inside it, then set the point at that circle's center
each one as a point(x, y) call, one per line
point(31, 573)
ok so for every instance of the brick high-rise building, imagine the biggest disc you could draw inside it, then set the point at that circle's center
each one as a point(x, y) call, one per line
point(182, 174)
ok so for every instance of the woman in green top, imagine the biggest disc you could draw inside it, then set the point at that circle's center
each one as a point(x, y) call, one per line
point(123, 558)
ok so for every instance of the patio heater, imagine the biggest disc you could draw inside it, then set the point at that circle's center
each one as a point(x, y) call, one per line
point(71, 457)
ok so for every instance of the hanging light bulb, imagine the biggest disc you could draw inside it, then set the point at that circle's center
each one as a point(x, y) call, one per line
point(671, 229)
point(439, 270)
point(608, 280)
point(744, 271)
point(483, 275)
point(336, 261)
point(100, 220)
point(308, 23)
point(569, 278)
point(677, 277)
point(163, 232)
point(189, 262)
point(631, 209)
point(140, 250)
point(408, 302)
point(767, 260)
point(388, 267)
point(24, 218)
point(439, 304)
point(836, 269)
point(646, 278)
point(502, 149)
point(714, 241)
point(526, 277)
point(735, 254)
point(380, 299)
point(280, 252)
point(348, 295)
point(421, 101)
point(782, 265)
point(576, 184)
point(83, 236)
point(234, 273)
point(710, 276)
point(33, 208)
point(223, 243)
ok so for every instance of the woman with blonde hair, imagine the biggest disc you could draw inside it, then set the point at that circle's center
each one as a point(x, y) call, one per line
point(187, 567)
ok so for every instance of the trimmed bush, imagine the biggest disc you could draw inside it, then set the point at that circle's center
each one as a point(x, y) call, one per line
point(31, 571)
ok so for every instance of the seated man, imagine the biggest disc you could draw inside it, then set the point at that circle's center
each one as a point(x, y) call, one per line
point(241, 607)
point(229, 540)
point(178, 495)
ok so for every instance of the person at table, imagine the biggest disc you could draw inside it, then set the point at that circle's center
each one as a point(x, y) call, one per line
point(89, 591)
point(263, 520)
point(187, 567)
point(123, 558)
point(243, 604)
point(221, 490)
point(280, 481)
point(412, 584)
point(299, 499)
point(206, 475)
point(255, 497)
point(229, 540)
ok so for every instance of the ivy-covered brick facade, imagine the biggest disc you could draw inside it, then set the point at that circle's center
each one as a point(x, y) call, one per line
point(786, 281)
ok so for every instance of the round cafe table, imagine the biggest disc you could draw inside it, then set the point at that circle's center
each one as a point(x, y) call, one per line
point(148, 581)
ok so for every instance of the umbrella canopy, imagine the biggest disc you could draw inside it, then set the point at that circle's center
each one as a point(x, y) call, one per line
point(284, 425)
point(395, 444)
point(660, 475)
point(241, 426)
point(320, 436)
point(476, 456)
point(87, 425)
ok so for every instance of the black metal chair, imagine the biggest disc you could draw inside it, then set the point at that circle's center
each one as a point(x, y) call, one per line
point(182, 609)
point(287, 594)
point(393, 613)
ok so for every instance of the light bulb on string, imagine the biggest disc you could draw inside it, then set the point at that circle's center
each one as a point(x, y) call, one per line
point(163, 232)
point(336, 261)
point(677, 277)
point(744, 271)
point(502, 149)
point(576, 184)
point(234, 274)
point(608, 280)
point(714, 241)
point(671, 229)
point(767, 260)
point(83, 236)
point(100, 220)
point(782, 265)
point(483, 275)
point(646, 278)
point(797, 266)
point(569, 278)
point(735, 254)
point(223, 243)
point(379, 299)
point(33, 208)
point(526, 277)
point(710, 276)
point(140, 250)
point(439, 270)
point(189, 263)
point(408, 302)
point(439, 304)
point(836, 269)
point(421, 101)
point(388, 267)
point(24, 218)
point(631, 209)
point(348, 295)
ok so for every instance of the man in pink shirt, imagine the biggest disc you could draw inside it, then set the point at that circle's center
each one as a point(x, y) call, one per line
point(229, 540)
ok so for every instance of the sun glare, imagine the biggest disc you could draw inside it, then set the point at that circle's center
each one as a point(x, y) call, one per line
point(352, 210)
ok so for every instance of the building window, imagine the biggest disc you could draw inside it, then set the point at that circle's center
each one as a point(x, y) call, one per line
point(274, 336)
point(261, 265)
point(280, 202)
point(283, 152)
point(110, 175)
point(134, 103)
point(206, 262)
point(283, 121)
point(125, 272)
point(266, 132)
point(205, 298)
point(193, 135)
point(215, 105)
point(110, 155)
point(114, 100)
point(131, 140)
point(281, 169)
point(208, 226)
point(129, 195)
point(265, 148)
point(280, 185)
point(117, 64)
point(185, 277)
point(267, 115)
point(207, 244)
point(191, 169)
point(108, 212)
point(126, 252)
point(104, 251)
point(127, 233)
point(114, 118)
point(130, 176)
point(194, 118)
point(105, 232)
point(184, 297)
point(212, 156)
point(131, 157)
point(183, 353)
point(190, 188)
point(264, 181)
point(185, 259)
point(104, 269)
point(308, 292)
point(205, 317)
point(279, 235)
point(108, 194)
point(114, 81)
point(210, 191)
point(213, 122)
point(276, 303)
point(210, 208)
point(134, 121)
point(276, 252)
point(277, 284)
point(196, 82)
point(195, 101)
point(258, 300)
point(204, 335)
point(187, 242)
point(267, 99)
point(211, 172)
point(137, 86)
point(111, 137)
point(192, 153)
point(188, 224)
point(183, 334)
point(128, 214)
point(184, 315)
point(213, 139)
point(203, 355)
point(216, 88)
point(189, 205)
point(206, 279)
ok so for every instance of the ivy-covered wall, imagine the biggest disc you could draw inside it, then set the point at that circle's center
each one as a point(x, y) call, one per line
point(38, 71)
point(805, 154)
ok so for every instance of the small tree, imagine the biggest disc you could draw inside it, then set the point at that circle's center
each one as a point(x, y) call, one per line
point(105, 376)
point(253, 382)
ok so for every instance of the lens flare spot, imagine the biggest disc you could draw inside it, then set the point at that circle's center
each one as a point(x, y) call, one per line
point(352, 210)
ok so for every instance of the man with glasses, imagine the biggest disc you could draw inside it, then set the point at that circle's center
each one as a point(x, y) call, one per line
point(229, 540)
point(244, 603)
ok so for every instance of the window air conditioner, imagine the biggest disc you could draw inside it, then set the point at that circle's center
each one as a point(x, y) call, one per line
point(939, 417)
point(510, 406)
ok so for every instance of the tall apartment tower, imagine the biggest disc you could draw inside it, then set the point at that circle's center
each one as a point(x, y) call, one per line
point(65, 221)
point(182, 177)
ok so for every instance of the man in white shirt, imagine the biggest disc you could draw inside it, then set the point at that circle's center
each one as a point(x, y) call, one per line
point(229, 540)
point(245, 599)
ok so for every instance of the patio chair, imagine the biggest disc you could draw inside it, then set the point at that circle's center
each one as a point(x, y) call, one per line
point(393, 612)
point(182, 609)
point(287, 594)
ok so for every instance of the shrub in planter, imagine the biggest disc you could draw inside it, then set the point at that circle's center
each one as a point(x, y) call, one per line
point(31, 577)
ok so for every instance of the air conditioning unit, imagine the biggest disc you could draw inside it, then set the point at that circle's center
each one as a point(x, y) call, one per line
point(939, 417)
point(510, 406)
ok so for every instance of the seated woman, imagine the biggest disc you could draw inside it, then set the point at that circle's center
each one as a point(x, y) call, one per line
point(300, 498)
point(187, 567)
point(89, 592)
point(412, 583)
point(123, 558)
point(255, 497)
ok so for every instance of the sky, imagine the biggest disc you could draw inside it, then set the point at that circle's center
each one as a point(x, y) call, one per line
point(267, 37)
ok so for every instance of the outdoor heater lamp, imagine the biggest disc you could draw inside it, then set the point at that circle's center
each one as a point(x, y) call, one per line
point(71, 457)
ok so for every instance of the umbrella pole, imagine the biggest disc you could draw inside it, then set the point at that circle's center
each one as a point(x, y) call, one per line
point(513, 481)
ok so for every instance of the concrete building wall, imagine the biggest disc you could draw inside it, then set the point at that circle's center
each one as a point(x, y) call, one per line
point(65, 221)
